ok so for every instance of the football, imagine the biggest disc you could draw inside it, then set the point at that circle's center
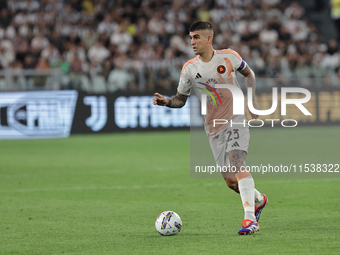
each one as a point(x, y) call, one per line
point(168, 223)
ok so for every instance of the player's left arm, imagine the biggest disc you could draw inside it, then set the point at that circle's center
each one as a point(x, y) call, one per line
point(250, 83)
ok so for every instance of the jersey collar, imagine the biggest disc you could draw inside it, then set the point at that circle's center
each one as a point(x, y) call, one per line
point(207, 63)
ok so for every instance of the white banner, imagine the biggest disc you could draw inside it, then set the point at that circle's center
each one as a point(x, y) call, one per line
point(42, 114)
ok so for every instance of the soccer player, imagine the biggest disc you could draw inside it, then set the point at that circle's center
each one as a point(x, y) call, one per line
point(229, 142)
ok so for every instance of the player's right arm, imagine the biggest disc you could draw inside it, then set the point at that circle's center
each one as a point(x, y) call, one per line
point(177, 101)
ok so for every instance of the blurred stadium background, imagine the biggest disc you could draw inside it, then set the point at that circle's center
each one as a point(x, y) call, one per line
point(86, 66)
point(141, 45)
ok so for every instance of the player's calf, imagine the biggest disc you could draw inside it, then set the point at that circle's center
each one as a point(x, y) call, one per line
point(232, 184)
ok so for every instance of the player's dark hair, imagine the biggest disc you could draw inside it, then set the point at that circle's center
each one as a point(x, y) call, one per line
point(200, 25)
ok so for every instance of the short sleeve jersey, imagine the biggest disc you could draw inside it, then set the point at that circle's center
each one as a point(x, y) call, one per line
point(202, 77)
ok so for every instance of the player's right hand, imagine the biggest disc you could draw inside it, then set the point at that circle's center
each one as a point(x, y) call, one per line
point(160, 99)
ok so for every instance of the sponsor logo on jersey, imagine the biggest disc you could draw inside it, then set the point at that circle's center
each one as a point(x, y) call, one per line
point(210, 89)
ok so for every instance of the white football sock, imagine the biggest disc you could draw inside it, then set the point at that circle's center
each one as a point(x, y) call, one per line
point(258, 198)
point(246, 187)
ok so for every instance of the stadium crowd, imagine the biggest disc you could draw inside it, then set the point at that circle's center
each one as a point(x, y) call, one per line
point(141, 45)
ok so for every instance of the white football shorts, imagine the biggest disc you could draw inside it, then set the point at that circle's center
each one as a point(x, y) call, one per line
point(233, 138)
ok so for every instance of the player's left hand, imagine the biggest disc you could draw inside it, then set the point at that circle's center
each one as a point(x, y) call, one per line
point(257, 107)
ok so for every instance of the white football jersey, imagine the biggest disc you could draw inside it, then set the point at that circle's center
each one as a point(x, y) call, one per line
point(202, 77)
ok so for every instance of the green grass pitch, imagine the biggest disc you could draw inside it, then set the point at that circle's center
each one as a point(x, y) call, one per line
point(100, 194)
